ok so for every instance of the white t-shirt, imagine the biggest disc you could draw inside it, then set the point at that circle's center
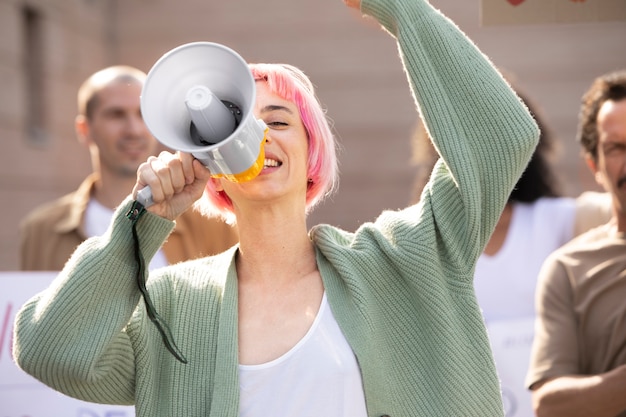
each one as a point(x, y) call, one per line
point(319, 376)
point(97, 220)
point(505, 282)
point(505, 287)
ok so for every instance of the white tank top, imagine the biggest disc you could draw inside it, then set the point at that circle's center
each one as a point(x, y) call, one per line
point(319, 376)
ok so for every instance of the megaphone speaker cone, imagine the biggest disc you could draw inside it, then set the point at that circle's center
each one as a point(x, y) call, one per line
point(206, 88)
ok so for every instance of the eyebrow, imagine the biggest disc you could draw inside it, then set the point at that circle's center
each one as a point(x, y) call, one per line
point(275, 107)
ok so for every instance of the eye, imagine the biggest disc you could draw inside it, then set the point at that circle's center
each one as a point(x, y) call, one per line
point(614, 149)
point(277, 124)
point(114, 114)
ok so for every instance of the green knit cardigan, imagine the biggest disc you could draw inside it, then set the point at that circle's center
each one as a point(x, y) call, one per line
point(400, 287)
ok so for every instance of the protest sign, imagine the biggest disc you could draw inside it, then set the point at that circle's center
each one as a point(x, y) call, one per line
point(523, 12)
point(511, 342)
point(20, 394)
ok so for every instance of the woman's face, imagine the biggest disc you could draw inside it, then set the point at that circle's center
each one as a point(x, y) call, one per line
point(284, 172)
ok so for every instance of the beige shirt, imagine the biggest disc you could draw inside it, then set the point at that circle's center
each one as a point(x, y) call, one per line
point(592, 209)
point(51, 233)
point(581, 307)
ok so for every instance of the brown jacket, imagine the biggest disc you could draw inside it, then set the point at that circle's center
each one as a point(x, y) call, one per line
point(51, 233)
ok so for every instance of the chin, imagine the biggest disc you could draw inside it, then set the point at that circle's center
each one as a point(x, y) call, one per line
point(128, 171)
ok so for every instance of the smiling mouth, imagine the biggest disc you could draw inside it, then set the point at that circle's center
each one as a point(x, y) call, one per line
point(269, 163)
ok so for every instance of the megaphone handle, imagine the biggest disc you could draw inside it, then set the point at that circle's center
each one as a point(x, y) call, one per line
point(144, 196)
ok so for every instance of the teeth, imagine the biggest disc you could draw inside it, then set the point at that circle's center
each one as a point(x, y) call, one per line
point(270, 163)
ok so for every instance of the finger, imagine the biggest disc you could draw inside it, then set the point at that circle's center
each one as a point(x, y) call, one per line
point(145, 176)
point(170, 172)
point(201, 177)
point(187, 162)
point(158, 179)
point(145, 173)
point(355, 4)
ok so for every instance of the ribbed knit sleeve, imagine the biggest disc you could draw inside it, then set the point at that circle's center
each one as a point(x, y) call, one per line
point(479, 126)
point(71, 336)
point(484, 134)
point(401, 287)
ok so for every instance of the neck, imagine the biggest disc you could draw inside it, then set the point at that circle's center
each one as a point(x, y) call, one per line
point(274, 246)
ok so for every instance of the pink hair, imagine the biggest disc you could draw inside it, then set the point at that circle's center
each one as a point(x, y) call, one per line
point(290, 83)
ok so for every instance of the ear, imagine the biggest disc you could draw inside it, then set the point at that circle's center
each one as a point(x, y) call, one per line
point(81, 126)
point(591, 163)
point(593, 166)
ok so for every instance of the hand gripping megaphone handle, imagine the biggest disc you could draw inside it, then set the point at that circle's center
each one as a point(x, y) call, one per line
point(199, 98)
point(144, 196)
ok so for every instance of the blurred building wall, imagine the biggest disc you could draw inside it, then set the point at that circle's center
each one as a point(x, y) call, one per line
point(48, 47)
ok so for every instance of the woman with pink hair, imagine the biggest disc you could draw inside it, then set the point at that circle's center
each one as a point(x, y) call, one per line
point(290, 321)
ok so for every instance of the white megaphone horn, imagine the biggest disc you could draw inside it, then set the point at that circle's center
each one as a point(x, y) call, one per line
point(199, 98)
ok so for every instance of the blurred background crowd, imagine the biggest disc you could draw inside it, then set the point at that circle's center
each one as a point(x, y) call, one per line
point(48, 48)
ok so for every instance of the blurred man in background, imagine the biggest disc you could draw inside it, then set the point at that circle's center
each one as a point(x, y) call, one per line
point(110, 124)
point(578, 361)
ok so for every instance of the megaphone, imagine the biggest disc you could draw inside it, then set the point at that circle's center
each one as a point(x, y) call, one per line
point(199, 98)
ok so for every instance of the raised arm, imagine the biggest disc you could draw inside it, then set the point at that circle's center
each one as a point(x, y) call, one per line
point(479, 126)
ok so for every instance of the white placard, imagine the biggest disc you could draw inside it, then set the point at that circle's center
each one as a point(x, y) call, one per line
point(20, 394)
point(524, 12)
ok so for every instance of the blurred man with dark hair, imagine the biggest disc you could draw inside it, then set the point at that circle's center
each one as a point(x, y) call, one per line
point(578, 362)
